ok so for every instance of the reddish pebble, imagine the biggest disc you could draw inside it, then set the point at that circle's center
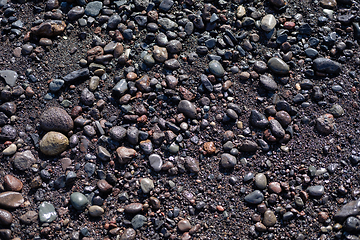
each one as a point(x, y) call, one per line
point(220, 208)
point(275, 187)
point(289, 25)
point(131, 76)
point(12, 183)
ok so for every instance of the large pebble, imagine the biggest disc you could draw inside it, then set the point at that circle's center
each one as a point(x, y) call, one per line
point(133, 208)
point(47, 212)
point(187, 108)
point(156, 162)
point(254, 197)
point(11, 199)
point(49, 28)
point(53, 143)
point(350, 209)
point(316, 191)
point(258, 119)
point(260, 181)
point(184, 225)
point(325, 124)
point(146, 185)
point(227, 160)
point(326, 65)
point(138, 221)
point(23, 160)
point(216, 68)
point(96, 211)
point(9, 77)
point(268, 83)
point(269, 218)
point(192, 164)
point(278, 66)
point(56, 119)
point(117, 133)
point(268, 22)
point(10, 150)
point(125, 154)
point(12, 183)
point(79, 201)
point(128, 234)
point(93, 8)
point(8, 133)
point(6, 217)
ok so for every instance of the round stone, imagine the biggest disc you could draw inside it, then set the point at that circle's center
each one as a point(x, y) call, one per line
point(187, 108)
point(240, 11)
point(216, 68)
point(227, 160)
point(156, 162)
point(128, 234)
point(6, 217)
point(138, 221)
point(79, 201)
point(184, 225)
point(268, 22)
point(336, 110)
point(53, 143)
point(316, 191)
point(56, 119)
point(269, 218)
point(96, 211)
point(278, 66)
point(47, 212)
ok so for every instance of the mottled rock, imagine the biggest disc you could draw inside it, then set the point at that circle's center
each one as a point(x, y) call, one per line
point(56, 119)
point(53, 143)
point(49, 28)
point(125, 154)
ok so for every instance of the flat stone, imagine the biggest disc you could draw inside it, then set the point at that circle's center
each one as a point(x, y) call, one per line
point(12, 183)
point(53, 143)
point(278, 66)
point(268, 22)
point(6, 217)
point(192, 164)
point(156, 162)
point(56, 119)
point(133, 208)
point(326, 65)
point(216, 68)
point(146, 185)
point(47, 212)
point(9, 77)
point(187, 108)
point(117, 133)
point(10, 150)
point(316, 191)
point(11, 200)
point(258, 119)
point(138, 221)
point(80, 74)
point(79, 201)
point(23, 160)
point(93, 8)
point(29, 217)
point(96, 211)
point(350, 209)
point(254, 197)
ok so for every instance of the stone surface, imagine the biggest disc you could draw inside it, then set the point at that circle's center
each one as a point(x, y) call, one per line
point(216, 68)
point(47, 212)
point(6, 217)
point(146, 185)
point(254, 197)
point(227, 160)
point(56, 119)
point(269, 218)
point(326, 65)
point(49, 28)
point(9, 76)
point(12, 183)
point(96, 211)
point(79, 201)
point(53, 143)
point(125, 154)
point(9, 200)
point(156, 162)
point(187, 108)
point(350, 209)
point(268, 22)
point(278, 66)
point(23, 160)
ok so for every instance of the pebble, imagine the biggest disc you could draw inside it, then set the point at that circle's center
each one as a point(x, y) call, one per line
point(268, 83)
point(93, 8)
point(160, 54)
point(352, 225)
point(258, 119)
point(192, 164)
point(275, 187)
point(254, 197)
point(184, 225)
point(146, 185)
point(276, 129)
point(278, 66)
point(96, 211)
point(133, 208)
point(56, 85)
point(80, 74)
point(331, 4)
point(187, 108)
point(6, 217)
point(47, 212)
point(156, 162)
point(316, 191)
point(125, 154)
point(53, 143)
point(228, 160)
point(326, 65)
point(260, 181)
point(336, 110)
point(138, 221)
point(11, 200)
point(49, 28)
point(128, 234)
point(240, 11)
point(10, 150)
point(10, 77)
point(8, 133)
point(12, 183)
point(216, 68)
point(325, 124)
point(87, 97)
point(79, 201)
point(350, 209)
point(269, 218)
point(117, 133)
point(23, 160)
point(56, 119)
point(268, 23)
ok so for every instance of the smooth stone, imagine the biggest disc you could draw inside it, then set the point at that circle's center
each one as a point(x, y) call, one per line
point(6, 217)
point(326, 65)
point(138, 221)
point(260, 181)
point(132, 135)
point(276, 129)
point(146, 185)
point(9, 77)
point(12, 183)
point(172, 64)
point(187, 108)
point(268, 22)
point(316, 191)
point(269, 218)
point(167, 24)
point(56, 85)
point(53, 143)
point(80, 74)
point(96, 211)
point(79, 201)
point(240, 11)
point(125, 154)
point(184, 225)
point(94, 83)
point(216, 68)
point(156, 162)
point(10, 150)
point(311, 52)
point(11, 200)
point(87, 97)
point(56, 119)
point(278, 66)
point(350, 209)
point(133, 208)
point(103, 154)
point(114, 21)
point(228, 160)
point(5, 234)
point(128, 234)
point(23, 160)
point(75, 13)
point(47, 212)
point(268, 83)
point(254, 197)
point(331, 4)
point(166, 5)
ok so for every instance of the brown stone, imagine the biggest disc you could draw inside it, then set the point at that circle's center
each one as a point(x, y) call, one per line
point(184, 225)
point(49, 28)
point(12, 183)
point(104, 186)
point(11, 199)
point(125, 154)
point(209, 147)
point(6, 217)
point(133, 208)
